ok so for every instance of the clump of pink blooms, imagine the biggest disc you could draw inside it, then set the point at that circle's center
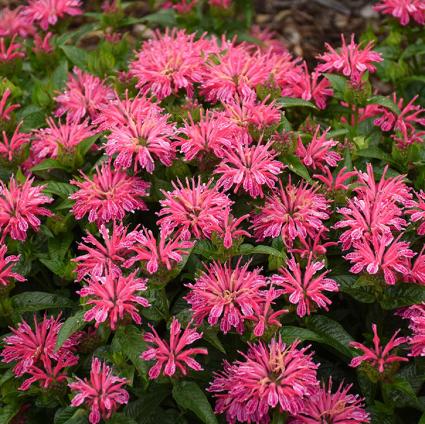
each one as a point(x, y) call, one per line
point(173, 355)
point(103, 392)
point(10, 52)
point(274, 376)
point(337, 407)
point(5, 110)
point(379, 357)
point(11, 147)
point(403, 10)
point(226, 295)
point(21, 206)
point(416, 316)
point(109, 195)
point(7, 275)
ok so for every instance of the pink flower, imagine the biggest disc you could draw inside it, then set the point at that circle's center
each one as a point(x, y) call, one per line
point(291, 212)
point(103, 392)
point(417, 271)
point(85, 95)
point(42, 45)
point(268, 377)
point(11, 149)
point(235, 73)
point(109, 195)
point(12, 22)
point(5, 111)
point(403, 10)
point(210, 135)
point(10, 52)
point(58, 140)
point(27, 346)
point(378, 357)
point(193, 208)
point(375, 210)
point(49, 372)
point(403, 123)
point(307, 86)
point(165, 252)
point(106, 257)
point(226, 295)
point(173, 355)
point(317, 246)
point(6, 267)
point(168, 63)
point(180, 6)
point(416, 315)
point(338, 407)
point(20, 208)
point(113, 298)
point(417, 211)
point(269, 40)
point(48, 12)
point(266, 317)
point(228, 229)
point(249, 165)
point(335, 183)
point(225, 4)
point(318, 154)
point(305, 288)
point(381, 254)
point(352, 61)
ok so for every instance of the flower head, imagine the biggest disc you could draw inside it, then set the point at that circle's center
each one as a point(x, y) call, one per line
point(6, 267)
point(226, 295)
point(291, 212)
point(27, 346)
point(42, 45)
point(417, 211)
point(416, 315)
point(106, 256)
point(59, 139)
point(12, 22)
point(165, 252)
point(335, 183)
point(235, 73)
point(352, 61)
point(192, 208)
point(109, 195)
point(113, 298)
point(103, 392)
point(378, 357)
point(305, 288)
point(168, 63)
point(327, 407)
point(381, 254)
point(250, 166)
point(10, 52)
point(268, 377)
point(21, 207)
point(11, 148)
point(48, 12)
point(173, 355)
point(85, 95)
point(403, 10)
point(404, 124)
point(5, 110)
point(318, 154)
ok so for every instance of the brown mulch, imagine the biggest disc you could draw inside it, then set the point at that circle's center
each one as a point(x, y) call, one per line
point(305, 25)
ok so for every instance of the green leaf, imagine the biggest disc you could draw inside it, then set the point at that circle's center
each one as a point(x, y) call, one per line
point(86, 144)
point(249, 249)
point(374, 152)
point(73, 324)
point(77, 56)
point(189, 396)
point(402, 295)
point(59, 76)
point(288, 102)
point(131, 344)
point(70, 415)
point(422, 419)
point(147, 404)
point(7, 413)
point(211, 336)
point(384, 101)
point(338, 83)
point(37, 301)
point(347, 284)
point(159, 309)
point(63, 190)
point(47, 165)
point(296, 166)
point(120, 418)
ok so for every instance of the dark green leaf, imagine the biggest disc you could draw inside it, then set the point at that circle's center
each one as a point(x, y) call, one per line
point(402, 295)
point(76, 55)
point(63, 190)
point(288, 102)
point(47, 165)
point(69, 327)
point(189, 396)
point(147, 404)
point(384, 101)
point(296, 166)
point(37, 301)
point(70, 415)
